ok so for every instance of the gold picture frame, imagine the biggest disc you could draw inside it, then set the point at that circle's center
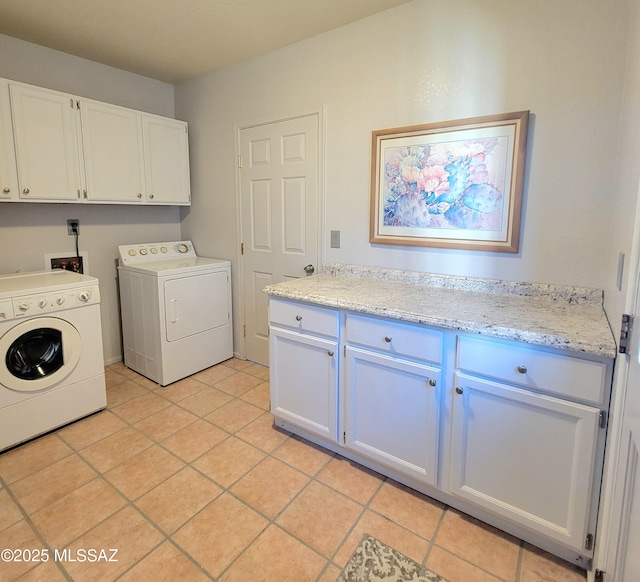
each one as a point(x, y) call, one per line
point(452, 184)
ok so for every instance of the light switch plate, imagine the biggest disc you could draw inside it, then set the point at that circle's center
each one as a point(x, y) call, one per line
point(335, 239)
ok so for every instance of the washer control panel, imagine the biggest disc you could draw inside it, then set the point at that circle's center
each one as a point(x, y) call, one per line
point(28, 305)
point(135, 254)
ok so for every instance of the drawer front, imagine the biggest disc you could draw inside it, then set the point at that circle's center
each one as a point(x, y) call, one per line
point(304, 317)
point(395, 338)
point(564, 375)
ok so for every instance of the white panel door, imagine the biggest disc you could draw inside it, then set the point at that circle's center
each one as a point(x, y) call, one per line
point(525, 456)
point(112, 144)
point(166, 160)
point(8, 170)
point(46, 140)
point(279, 206)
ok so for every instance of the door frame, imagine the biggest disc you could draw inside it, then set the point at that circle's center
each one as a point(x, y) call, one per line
point(613, 502)
point(320, 112)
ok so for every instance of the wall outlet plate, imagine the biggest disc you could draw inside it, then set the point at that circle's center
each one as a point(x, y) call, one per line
point(335, 239)
point(71, 222)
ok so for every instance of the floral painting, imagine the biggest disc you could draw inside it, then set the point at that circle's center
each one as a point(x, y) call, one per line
point(457, 184)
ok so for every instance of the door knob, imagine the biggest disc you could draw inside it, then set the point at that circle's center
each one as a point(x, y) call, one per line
point(459, 390)
point(309, 269)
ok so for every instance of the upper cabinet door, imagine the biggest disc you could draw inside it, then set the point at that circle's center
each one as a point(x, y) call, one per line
point(8, 170)
point(166, 160)
point(45, 132)
point(112, 147)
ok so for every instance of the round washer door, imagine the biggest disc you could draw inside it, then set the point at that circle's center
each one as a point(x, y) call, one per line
point(38, 353)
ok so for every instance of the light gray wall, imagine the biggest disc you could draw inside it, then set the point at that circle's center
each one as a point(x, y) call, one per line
point(427, 61)
point(28, 230)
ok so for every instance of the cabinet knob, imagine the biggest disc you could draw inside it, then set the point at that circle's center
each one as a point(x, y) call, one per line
point(330, 353)
point(459, 390)
point(6, 190)
point(522, 369)
point(150, 195)
point(387, 338)
point(25, 191)
point(139, 195)
point(432, 382)
point(298, 317)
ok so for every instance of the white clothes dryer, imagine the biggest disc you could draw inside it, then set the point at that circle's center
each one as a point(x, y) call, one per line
point(176, 310)
point(52, 365)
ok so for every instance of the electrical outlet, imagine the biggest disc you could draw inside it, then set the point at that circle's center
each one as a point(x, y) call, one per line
point(73, 226)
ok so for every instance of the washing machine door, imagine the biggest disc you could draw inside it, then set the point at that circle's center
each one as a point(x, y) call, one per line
point(38, 353)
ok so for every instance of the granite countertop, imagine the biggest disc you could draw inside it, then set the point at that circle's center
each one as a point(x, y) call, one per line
point(568, 318)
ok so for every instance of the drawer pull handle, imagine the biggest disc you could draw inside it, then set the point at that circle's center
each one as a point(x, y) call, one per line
point(459, 390)
point(298, 317)
point(387, 338)
point(330, 353)
point(522, 369)
point(432, 382)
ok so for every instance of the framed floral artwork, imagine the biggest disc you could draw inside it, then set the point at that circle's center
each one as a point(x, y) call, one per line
point(453, 184)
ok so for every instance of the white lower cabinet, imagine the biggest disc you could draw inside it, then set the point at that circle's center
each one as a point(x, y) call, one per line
point(391, 412)
point(528, 457)
point(304, 367)
point(511, 433)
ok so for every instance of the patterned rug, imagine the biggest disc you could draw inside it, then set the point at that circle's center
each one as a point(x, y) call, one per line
point(374, 561)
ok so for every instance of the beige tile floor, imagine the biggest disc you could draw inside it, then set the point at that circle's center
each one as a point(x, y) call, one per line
point(192, 482)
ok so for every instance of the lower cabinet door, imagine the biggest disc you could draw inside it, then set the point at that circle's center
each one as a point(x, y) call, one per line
point(304, 381)
point(525, 456)
point(391, 412)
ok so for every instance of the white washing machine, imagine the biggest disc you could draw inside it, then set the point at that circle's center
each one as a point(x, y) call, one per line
point(176, 310)
point(52, 365)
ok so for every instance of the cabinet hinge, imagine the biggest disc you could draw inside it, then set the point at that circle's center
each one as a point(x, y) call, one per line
point(240, 162)
point(625, 328)
point(603, 418)
point(588, 543)
point(71, 102)
point(344, 437)
point(599, 575)
point(77, 104)
point(244, 331)
point(242, 248)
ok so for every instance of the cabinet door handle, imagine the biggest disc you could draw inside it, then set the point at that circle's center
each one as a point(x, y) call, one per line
point(330, 353)
point(298, 317)
point(432, 382)
point(459, 390)
point(387, 338)
point(522, 369)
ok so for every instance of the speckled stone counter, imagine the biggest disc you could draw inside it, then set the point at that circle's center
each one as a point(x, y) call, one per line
point(568, 318)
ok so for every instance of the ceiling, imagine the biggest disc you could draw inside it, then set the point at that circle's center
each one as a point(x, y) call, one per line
point(175, 40)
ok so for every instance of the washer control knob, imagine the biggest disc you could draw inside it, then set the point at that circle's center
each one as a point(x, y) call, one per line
point(182, 248)
point(163, 249)
point(84, 296)
point(154, 251)
point(143, 251)
point(42, 303)
point(132, 252)
point(23, 307)
point(60, 299)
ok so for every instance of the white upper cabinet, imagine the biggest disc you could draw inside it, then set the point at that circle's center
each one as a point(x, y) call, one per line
point(46, 144)
point(8, 170)
point(67, 149)
point(166, 160)
point(112, 146)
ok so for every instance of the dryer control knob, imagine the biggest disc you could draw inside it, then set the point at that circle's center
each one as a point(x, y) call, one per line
point(84, 296)
point(60, 300)
point(132, 252)
point(23, 306)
